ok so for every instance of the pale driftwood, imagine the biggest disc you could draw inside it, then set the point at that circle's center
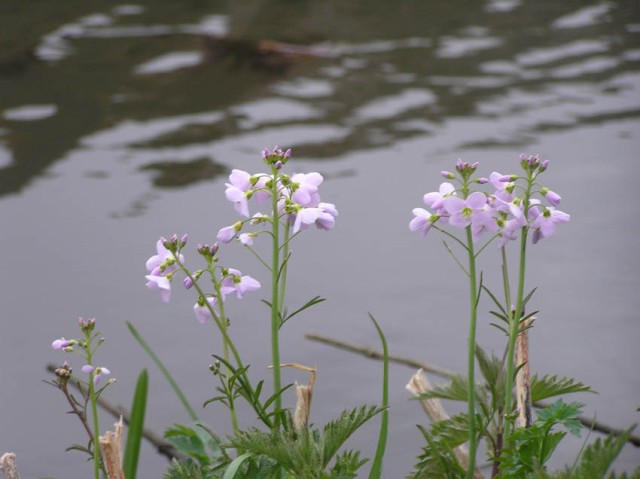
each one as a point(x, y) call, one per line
point(111, 449)
point(163, 447)
point(420, 384)
point(8, 466)
point(372, 353)
point(523, 378)
point(304, 395)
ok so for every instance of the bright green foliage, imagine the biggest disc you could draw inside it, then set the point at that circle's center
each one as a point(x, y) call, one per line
point(188, 470)
point(598, 457)
point(438, 461)
point(197, 443)
point(456, 390)
point(307, 453)
point(237, 384)
point(595, 461)
point(532, 447)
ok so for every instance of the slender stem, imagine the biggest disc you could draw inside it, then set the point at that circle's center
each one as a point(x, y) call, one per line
point(222, 324)
point(216, 318)
point(514, 321)
point(225, 347)
point(275, 296)
point(471, 398)
point(514, 327)
point(283, 272)
point(94, 413)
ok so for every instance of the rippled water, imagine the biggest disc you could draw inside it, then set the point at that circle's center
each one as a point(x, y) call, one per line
point(119, 123)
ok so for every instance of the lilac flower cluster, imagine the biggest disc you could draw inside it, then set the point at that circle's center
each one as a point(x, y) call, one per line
point(297, 198)
point(68, 345)
point(505, 211)
point(169, 259)
point(297, 202)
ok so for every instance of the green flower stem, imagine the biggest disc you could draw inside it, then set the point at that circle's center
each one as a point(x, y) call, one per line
point(222, 325)
point(471, 398)
point(283, 272)
point(514, 328)
point(225, 346)
point(275, 296)
point(94, 413)
point(514, 318)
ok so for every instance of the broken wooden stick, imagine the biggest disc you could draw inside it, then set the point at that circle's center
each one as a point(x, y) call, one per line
point(8, 466)
point(111, 449)
point(523, 377)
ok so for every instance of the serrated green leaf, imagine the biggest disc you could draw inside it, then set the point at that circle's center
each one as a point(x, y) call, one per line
point(456, 390)
point(549, 386)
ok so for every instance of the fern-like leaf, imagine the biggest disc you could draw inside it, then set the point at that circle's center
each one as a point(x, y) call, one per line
point(550, 386)
point(598, 457)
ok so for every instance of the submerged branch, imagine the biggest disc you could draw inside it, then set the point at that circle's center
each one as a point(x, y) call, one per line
point(443, 372)
point(374, 354)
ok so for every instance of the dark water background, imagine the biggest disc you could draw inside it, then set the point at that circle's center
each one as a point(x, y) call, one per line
point(119, 123)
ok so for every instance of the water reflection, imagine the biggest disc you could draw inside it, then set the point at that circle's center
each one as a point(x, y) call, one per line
point(371, 77)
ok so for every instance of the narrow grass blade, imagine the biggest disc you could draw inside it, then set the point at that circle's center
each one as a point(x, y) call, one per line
point(376, 467)
point(165, 372)
point(136, 424)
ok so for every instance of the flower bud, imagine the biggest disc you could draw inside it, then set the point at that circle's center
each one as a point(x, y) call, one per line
point(64, 371)
point(551, 196)
point(87, 325)
point(188, 284)
point(544, 165)
point(183, 240)
point(447, 174)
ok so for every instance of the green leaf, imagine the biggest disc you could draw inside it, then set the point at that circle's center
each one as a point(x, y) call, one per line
point(165, 372)
point(231, 471)
point(304, 452)
point(528, 296)
point(189, 442)
point(308, 304)
point(136, 426)
point(598, 457)
point(549, 386)
point(561, 413)
point(456, 390)
point(437, 461)
point(376, 467)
